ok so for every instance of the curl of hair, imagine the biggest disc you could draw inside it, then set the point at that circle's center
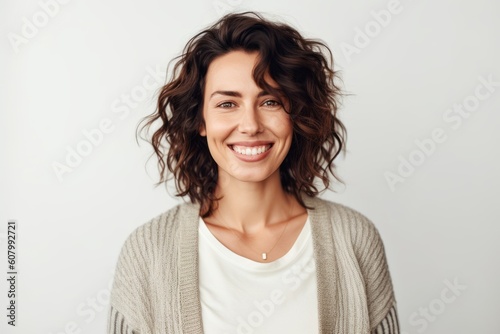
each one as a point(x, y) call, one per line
point(303, 70)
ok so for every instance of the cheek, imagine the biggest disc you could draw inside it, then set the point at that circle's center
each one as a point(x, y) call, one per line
point(217, 128)
point(281, 125)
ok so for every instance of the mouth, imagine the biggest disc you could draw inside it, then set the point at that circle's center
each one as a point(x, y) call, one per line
point(250, 151)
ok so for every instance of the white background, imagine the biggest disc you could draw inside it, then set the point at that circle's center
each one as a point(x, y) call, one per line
point(78, 67)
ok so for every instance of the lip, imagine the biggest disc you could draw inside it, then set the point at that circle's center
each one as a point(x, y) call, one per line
point(251, 158)
point(251, 143)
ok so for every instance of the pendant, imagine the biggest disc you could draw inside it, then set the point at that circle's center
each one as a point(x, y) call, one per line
point(264, 256)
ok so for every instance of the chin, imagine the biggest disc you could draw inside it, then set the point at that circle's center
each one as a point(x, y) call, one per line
point(250, 176)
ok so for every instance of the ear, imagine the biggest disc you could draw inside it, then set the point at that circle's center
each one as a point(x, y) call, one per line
point(202, 131)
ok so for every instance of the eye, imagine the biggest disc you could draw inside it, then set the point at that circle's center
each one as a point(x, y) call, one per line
point(271, 103)
point(226, 105)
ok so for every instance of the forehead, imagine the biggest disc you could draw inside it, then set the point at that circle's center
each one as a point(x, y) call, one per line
point(231, 66)
point(233, 69)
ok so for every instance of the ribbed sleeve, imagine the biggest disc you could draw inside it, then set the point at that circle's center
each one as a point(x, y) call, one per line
point(389, 325)
point(130, 304)
point(372, 260)
point(375, 270)
point(117, 323)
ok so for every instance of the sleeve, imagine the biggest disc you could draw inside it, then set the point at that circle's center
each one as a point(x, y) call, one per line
point(390, 324)
point(128, 301)
point(378, 284)
point(117, 323)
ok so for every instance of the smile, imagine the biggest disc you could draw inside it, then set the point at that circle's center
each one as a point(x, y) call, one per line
point(250, 151)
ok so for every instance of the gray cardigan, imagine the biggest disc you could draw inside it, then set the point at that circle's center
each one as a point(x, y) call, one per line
point(155, 287)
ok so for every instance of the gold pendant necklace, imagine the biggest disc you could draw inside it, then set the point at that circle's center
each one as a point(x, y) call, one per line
point(264, 254)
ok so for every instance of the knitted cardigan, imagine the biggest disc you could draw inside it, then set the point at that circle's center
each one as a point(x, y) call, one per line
point(156, 290)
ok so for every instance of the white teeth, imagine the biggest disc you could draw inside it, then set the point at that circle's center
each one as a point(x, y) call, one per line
point(251, 151)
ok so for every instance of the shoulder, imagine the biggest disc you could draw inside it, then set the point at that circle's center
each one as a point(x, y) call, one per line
point(343, 219)
point(355, 235)
point(144, 255)
point(347, 228)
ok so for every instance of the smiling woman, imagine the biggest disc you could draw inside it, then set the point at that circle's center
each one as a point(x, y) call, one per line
point(247, 125)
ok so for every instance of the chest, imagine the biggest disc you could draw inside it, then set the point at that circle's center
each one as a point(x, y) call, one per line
point(239, 295)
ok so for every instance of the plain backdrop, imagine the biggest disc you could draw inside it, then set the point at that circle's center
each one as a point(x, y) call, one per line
point(423, 171)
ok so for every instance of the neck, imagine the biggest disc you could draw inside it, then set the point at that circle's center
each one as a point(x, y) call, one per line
point(251, 206)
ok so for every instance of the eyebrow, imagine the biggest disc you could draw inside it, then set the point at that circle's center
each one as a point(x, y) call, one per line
point(234, 93)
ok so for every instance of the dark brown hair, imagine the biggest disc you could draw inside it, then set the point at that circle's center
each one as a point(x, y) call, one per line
point(303, 70)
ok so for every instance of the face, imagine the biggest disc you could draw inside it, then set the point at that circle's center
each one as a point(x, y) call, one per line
point(247, 129)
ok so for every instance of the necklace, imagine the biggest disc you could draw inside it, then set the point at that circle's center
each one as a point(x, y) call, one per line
point(263, 254)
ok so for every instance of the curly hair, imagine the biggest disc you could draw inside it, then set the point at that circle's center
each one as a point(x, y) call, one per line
point(303, 70)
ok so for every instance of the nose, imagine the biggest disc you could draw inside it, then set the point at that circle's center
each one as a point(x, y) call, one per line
point(250, 122)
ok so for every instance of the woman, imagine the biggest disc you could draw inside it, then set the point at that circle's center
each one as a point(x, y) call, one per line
point(250, 118)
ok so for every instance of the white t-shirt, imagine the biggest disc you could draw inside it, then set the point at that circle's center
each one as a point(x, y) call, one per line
point(242, 296)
